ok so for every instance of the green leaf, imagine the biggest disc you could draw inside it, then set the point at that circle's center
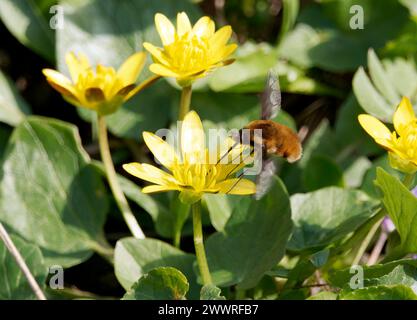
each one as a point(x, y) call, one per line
point(211, 292)
point(348, 133)
point(252, 64)
point(325, 216)
point(322, 171)
point(290, 8)
point(369, 98)
point(341, 48)
point(26, 21)
point(14, 285)
point(401, 205)
point(306, 267)
point(117, 31)
point(134, 193)
point(368, 184)
point(13, 107)
point(228, 110)
point(135, 257)
point(403, 76)
point(390, 81)
point(297, 43)
point(163, 283)
point(381, 79)
point(398, 292)
point(392, 273)
point(253, 239)
point(49, 194)
point(220, 208)
point(355, 173)
point(324, 295)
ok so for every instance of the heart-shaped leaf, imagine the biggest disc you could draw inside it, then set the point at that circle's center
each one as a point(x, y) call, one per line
point(164, 283)
point(135, 257)
point(253, 239)
point(13, 108)
point(49, 194)
point(327, 215)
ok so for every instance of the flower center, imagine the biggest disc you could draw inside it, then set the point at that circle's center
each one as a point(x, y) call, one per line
point(195, 175)
point(104, 78)
point(188, 53)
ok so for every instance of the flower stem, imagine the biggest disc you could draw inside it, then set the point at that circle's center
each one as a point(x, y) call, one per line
point(8, 242)
point(365, 243)
point(185, 102)
point(199, 244)
point(376, 251)
point(114, 184)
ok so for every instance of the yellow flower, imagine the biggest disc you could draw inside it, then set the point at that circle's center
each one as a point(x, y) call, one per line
point(103, 90)
point(402, 143)
point(192, 172)
point(189, 52)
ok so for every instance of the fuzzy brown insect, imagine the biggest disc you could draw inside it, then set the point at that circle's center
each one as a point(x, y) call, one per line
point(276, 139)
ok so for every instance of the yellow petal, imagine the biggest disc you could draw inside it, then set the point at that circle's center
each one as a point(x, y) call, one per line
point(156, 53)
point(375, 128)
point(157, 188)
point(54, 77)
point(130, 69)
point(193, 142)
point(204, 27)
point(236, 186)
point(149, 173)
point(162, 151)
point(143, 85)
point(165, 29)
point(76, 66)
point(221, 54)
point(220, 38)
point(162, 70)
point(403, 115)
point(387, 144)
point(183, 24)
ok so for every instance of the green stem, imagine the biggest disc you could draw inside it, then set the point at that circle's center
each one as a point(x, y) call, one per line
point(104, 249)
point(113, 182)
point(14, 252)
point(365, 243)
point(199, 244)
point(177, 239)
point(185, 102)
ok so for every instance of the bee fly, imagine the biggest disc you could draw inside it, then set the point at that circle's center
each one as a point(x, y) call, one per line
point(276, 139)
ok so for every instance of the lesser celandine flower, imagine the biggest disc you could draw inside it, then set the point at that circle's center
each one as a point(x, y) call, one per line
point(189, 52)
point(103, 89)
point(192, 172)
point(401, 143)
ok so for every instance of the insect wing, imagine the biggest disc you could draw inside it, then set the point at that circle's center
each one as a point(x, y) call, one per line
point(271, 97)
point(265, 177)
